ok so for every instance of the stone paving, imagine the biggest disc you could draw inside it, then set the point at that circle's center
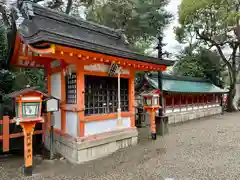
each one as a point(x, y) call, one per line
point(202, 149)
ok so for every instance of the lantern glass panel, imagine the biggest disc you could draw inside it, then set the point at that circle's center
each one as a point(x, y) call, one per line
point(16, 110)
point(155, 101)
point(30, 109)
point(148, 101)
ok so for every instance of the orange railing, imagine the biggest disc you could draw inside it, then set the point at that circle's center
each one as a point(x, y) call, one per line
point(6, 135)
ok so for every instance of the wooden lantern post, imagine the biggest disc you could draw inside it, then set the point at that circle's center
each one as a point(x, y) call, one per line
point(28, 104)
point(151, 105)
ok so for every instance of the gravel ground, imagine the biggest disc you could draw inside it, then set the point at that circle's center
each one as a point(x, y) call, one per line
point(197, 150)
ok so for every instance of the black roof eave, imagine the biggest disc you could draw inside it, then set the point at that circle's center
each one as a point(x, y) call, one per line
point(67, 41)
point(196, 92)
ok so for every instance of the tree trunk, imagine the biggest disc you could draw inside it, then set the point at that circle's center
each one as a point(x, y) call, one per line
point(231, 94)
point(69, 6)
point(236, 97)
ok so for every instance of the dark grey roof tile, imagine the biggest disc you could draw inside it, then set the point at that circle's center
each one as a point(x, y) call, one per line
point(55, 27)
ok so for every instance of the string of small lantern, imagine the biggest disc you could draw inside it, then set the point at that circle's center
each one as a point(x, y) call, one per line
point(103, 60)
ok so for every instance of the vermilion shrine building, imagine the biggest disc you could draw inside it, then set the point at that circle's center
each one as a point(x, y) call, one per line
point(76, 56)
point(185, 98)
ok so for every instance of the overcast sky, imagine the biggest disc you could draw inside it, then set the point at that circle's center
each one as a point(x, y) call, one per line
point(172, 45)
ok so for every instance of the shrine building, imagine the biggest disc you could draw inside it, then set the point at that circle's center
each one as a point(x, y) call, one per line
point(184, 98)
point(90, 68)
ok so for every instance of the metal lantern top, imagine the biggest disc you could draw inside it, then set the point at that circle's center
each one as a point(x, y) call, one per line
point(151, 99)
point(28, 104)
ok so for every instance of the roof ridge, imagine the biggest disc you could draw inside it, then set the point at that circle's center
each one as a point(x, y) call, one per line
point(181, 78)
point(184, 86)
point(53, 14)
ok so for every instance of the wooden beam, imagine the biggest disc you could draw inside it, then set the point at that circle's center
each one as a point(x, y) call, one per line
point(50, 50)
point(63, 98)
point(98, 57)
point(131, 97)
point(42, 60)
point(49, 93)
point(80, 98)
point(106, 116)
point(16, 49)
point(5, 133)
point(104, 74)
point(172, 95)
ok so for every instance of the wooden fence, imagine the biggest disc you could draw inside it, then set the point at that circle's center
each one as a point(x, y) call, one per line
point(9, 130)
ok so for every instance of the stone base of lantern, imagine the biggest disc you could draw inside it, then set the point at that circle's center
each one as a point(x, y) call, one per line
point(86, 149)
point(28, 171)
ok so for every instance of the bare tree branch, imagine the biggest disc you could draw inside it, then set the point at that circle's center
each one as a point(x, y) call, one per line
point(218, 46)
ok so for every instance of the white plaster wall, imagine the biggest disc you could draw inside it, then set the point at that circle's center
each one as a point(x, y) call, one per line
point(126, 122)
point(56, 92)
point(184, 114)
point(71, 123)
point(170, 110)
point(99, 127)
point(96, 127)
point(194, 114)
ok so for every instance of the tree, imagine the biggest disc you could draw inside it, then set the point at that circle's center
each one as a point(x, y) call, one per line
point(3, 43)
point(188, 65)
point(203, 63)
point(67, 6)
point(216, 25)
point(16, 78)
point(140, 20)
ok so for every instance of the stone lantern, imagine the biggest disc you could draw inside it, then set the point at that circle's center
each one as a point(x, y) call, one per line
point(28, 104)
point(151, 104)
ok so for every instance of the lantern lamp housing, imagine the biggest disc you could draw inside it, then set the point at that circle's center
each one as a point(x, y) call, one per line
point(156, 100)
point(28, 110)
point(151, 99)
point(148, 101)
point(28, 104)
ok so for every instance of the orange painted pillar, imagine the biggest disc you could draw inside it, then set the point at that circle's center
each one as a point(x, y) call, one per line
point(131, 96)
point(49, 93)
point(153, 124)
point(80, 98)
point(28, 129)
point(5, 133)
point(63, 99)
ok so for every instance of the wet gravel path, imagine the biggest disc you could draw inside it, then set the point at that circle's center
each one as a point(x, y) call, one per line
point(197, 150)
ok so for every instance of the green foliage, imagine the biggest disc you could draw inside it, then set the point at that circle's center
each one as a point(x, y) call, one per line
point(202, 64)
point(223, 11)
point(16, 78)
point(189, 64)
point(3, 44)
point(180, 34)
point(141, 20)
point(212, 20)
point(216, 24)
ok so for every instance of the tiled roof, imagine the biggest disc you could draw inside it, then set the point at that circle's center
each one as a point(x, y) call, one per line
point(184, 84)
point(58, 28)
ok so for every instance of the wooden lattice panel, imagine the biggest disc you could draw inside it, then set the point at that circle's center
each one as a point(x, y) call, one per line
point(71, 88)
point(101, 95)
